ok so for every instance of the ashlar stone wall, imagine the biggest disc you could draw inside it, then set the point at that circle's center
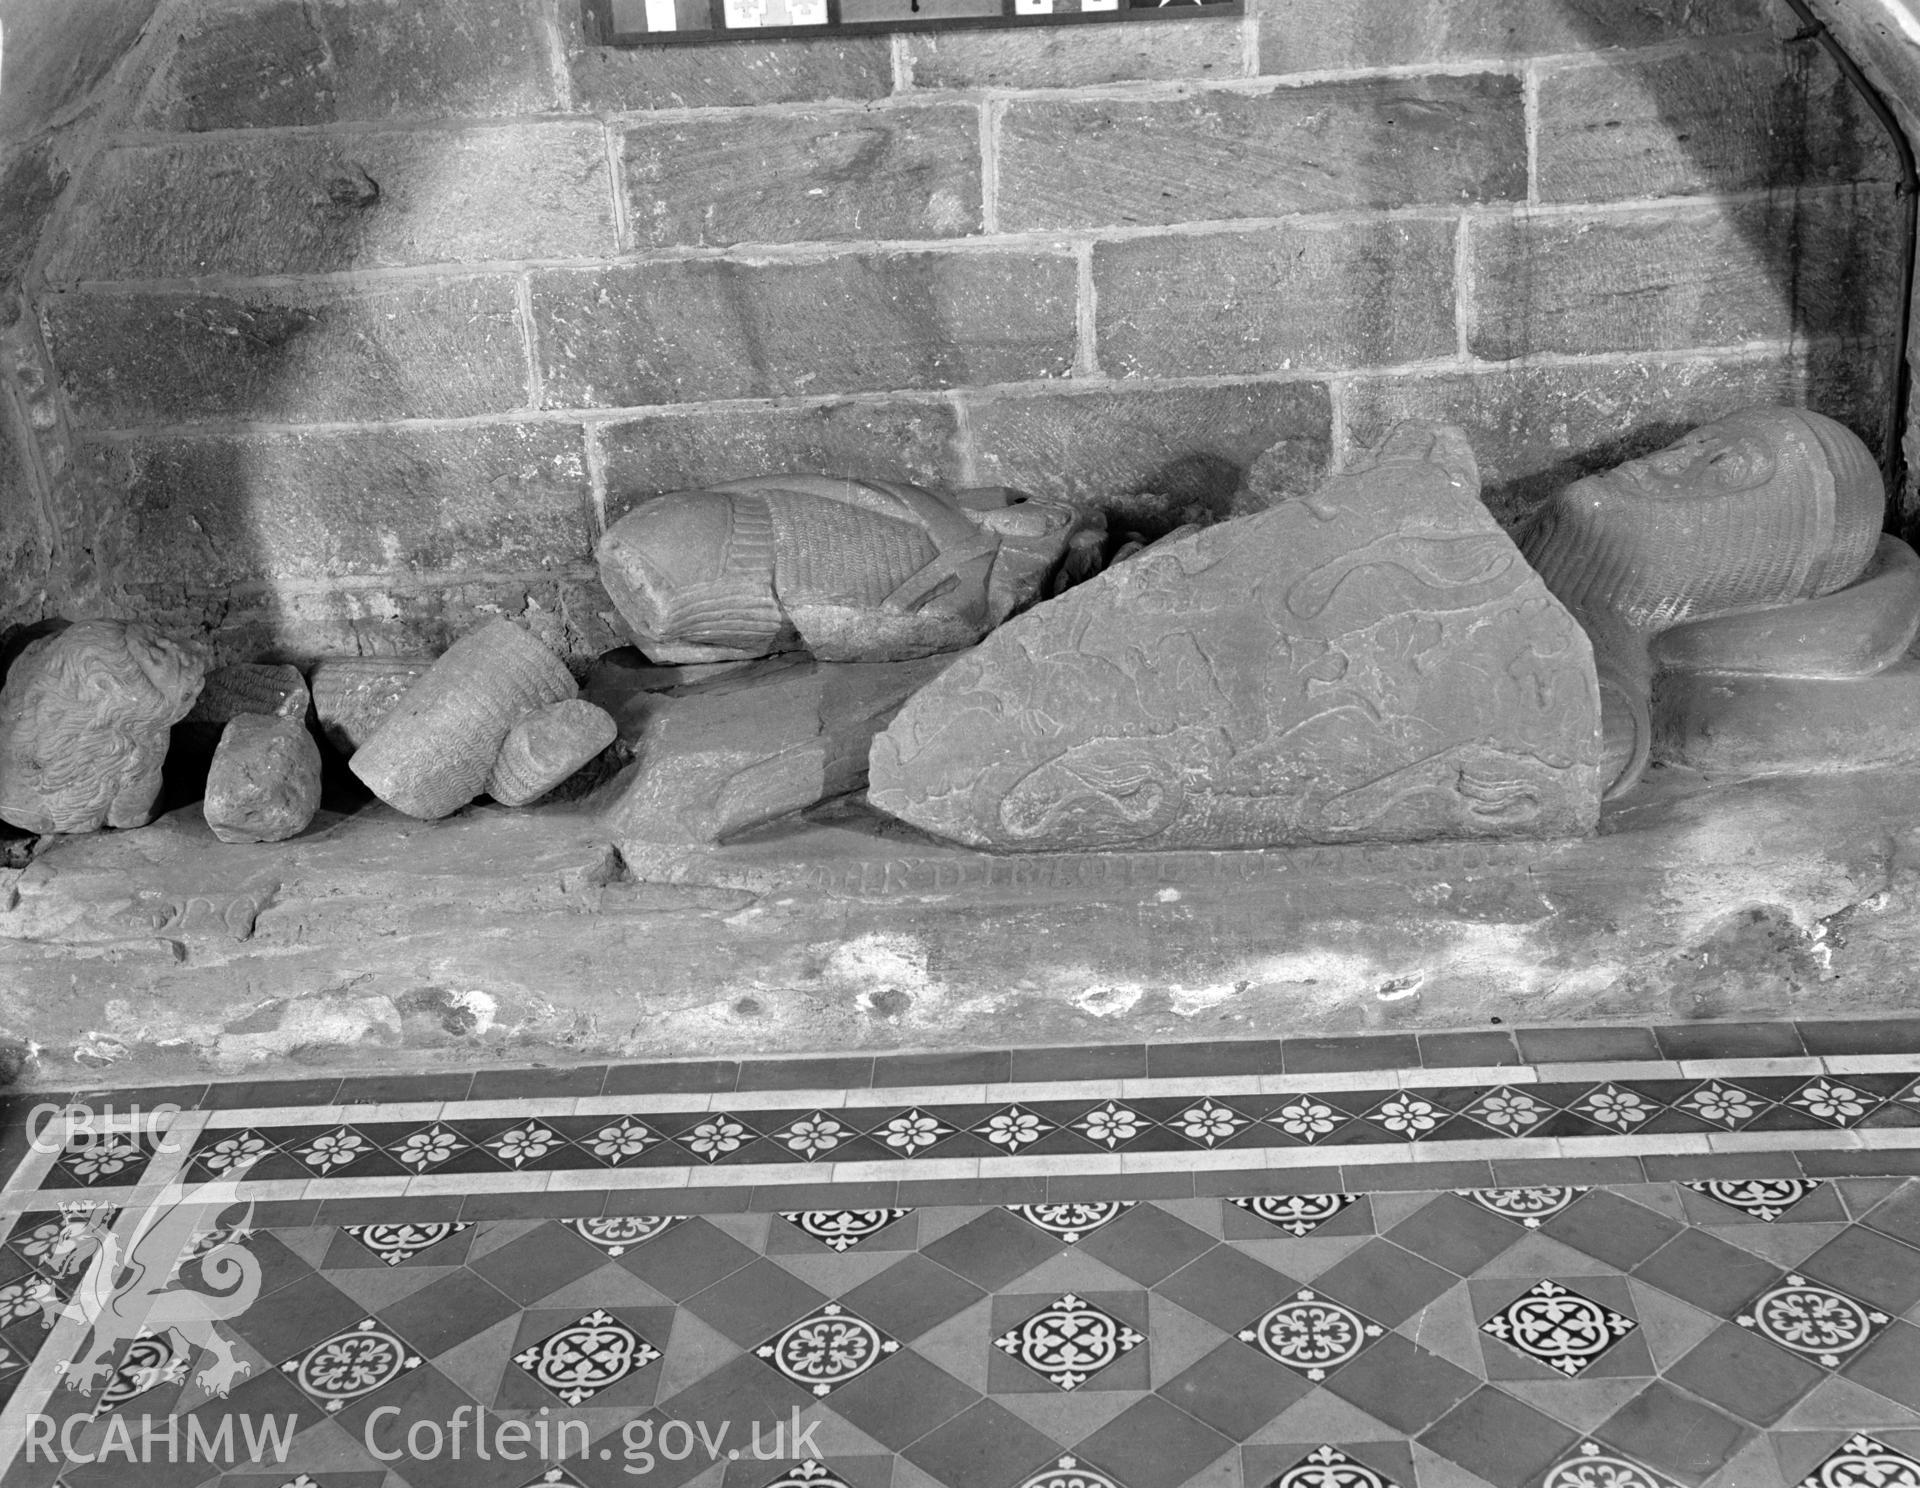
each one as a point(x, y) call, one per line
point(367, 315)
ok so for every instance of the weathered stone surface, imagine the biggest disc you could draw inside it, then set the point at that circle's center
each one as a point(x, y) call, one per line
point(1074, 56)
point(1538, 429)
point(273, 203)
point(1316, 35)
point(690, 331)
point(84, 717)
point(265, 782)
point(1096, 162)
point(251, 687)
point(435, 350)
point(247, 65)
point(436, 750)
point(722, 756)
point(1714, 275)
point(1743, 117)
point(31, 180)
point(545, 747)
point(1373, 662)
point(1283, 298)
point(849, 569)
point(352, 695)
point(894, 173)
point(56, 54)
point(1152, 460)
point(387, 503)
point(645, 457)
point(1728, 725)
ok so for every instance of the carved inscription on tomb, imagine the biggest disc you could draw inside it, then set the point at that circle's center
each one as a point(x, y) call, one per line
point(1376, 662)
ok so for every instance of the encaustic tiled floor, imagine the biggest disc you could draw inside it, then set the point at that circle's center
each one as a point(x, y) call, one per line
point(1332, 1264)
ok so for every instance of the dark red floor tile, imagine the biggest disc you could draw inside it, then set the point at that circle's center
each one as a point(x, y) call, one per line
point(1467, 1050)
point(1742, 1372)
point(1155, 1445)
point(1861, 1036)
point(537, 1083)
point(1383, 1281)
point(694, 1077)
point(743, 1389)
point(981, 1067)
point(1891, 1365)
point(911, 1296)
point(1065, 1188)
point(1235, 1390)
point(1227, 1287)
point(1586, 1045)
point(1869, 1266)
point(687, 1259)
point(296, 1317)
point(753, 1304)
point(986, 1446)
point(1378, 1051)
point(1678, 1436)
point(1085, 1062)
point(1411, 1177)
point(1504, 1440)
point(1457, 1234)
point(448, 1311)
point(993, 1250)
point(1729, 1041)
point(542, 1261)
point(1898, 1215)
point(1612, 1229)
point(1219, 1057)
point(1707, 1272)
point(902, 1399)
point(426, 1395)
point(1398, 1382)
point(1148, 1244)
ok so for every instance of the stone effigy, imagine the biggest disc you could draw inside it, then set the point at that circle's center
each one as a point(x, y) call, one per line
point(545, 747)
point(352, 695)
point(720, 756)
point(84, 721)
point(851, 570)
point(264, 785)
point(1374, 662)
point(1733, 585)
point(249, 687)
point(437, 749)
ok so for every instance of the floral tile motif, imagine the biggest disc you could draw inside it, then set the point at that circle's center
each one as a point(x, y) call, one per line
point(1863, 1462)
point(715, 1137)
point(1594, 1466)
point(1310, 1334)
point(229, 1154)
point(148, 1363)
point(1014, 1128)
point(1111, 1125)
point(808, 1474)
point(63, 1246)
point(842, 1229)
point(395, 1243)
point(1763, 1198)
point(1910, 1096)
point(813, 1137)
point(1834, 1102)
point(334, 1150)
point(1298, 1214)
point(1558, 1327)
point(825, 1349)
point(1529, 1207)
point(1329, 1467)
point(1306, 1119)
point(580, 1360)
point(425, 1150)
point(1407, 1116)
point(1814, 1321)
point(354, 1362)
point(1728, 1106)
point(619, 1141)
point(911, 1133)
point(116, 1157)
point(1070, 1221)
point(1509, 1112)
point(30, 1297)
point(1069, 1341)
point(618, 1233)
point(1615, 1108)
point(1068, 1472)
point(528, 1142)
point(1208, 1123)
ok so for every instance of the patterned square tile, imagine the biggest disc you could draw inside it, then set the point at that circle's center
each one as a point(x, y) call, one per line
point(1072, 1222)
point(601, 1356)
point(1816, 1322)
point(351, 1363)
point(1721, 1201)
point(1311, 1334)
point(1567, 1328)
point(1323, 1215)
point(1348, 1464)
point(1090, 1341)
point(1864, 1461)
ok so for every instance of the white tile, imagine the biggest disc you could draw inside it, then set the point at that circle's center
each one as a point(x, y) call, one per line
point(1751, 1141)
point(386, 1186)
point(1330, 1080)
point(643, 1105)
point(492, 1110)
point(466, 1183)
point(923, 1095)
point(1054, 1090)
point(1481, 1074)
point(743, 1101)
point(271, 1190)
point(1615, 1069)
point(1872, 1064)
point(280, 1116)
point(575, 1180)
point(901, 1170)
point(1881, 1138)
point(416, 1111)
point(1488, 1149)
point(1217, 1085)
point(1735, 1069)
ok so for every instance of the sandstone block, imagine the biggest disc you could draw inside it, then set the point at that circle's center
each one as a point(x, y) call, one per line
point(272, 203)
point(388, 502)
point(244, 66)
point(1325, 147)
point(1316, 35)
point(1073, 57)
point(1679, 277)
point(318, 353)
point(722, 756)
point(1372, 662)
point(1732, 118)
point(901, 173)
point(546, 747)
point(1151, 460)
point(692, 331)
point(265, 782)
point(656, 453)
point(436, 751)
point(1292, 297)
point(352, 695)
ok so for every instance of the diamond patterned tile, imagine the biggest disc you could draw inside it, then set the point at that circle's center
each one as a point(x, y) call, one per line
point(1156, 1444)
point(1742, 1373)
point(1813, 1321)
point(1707, 1272)
point(1147, 1243)
point(1390, 1283)
point(1402, 1384)
point(1234, 1392)
point(1093, 1341)
point(994, 1249)
point(1684, 1438)
point(1870, 1266)
point(1498, 1438)
point(1226, 1288)
point(1456, 1233)
point(1890, 1365)
point(986, 1446)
